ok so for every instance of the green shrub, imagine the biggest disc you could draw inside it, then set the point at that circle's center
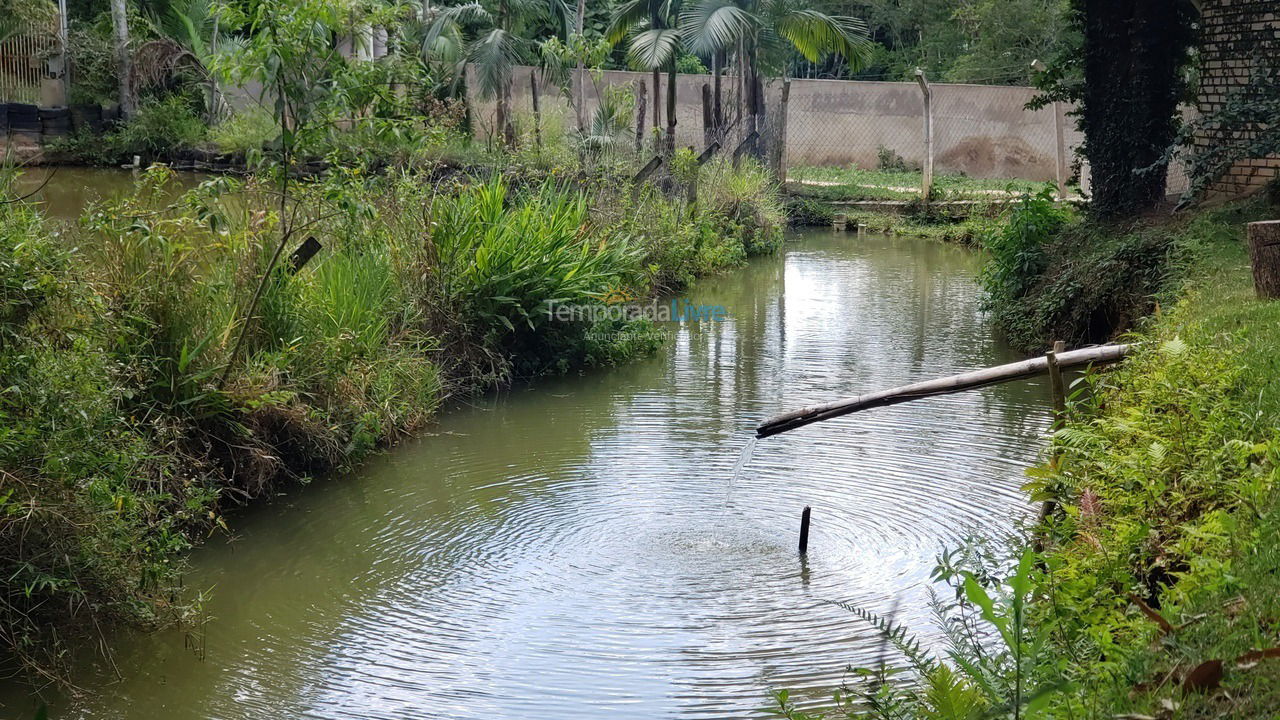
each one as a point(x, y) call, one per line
point(1016, 254)
point(804, 212)
point(159, 128)
point(244, 132)
point(118, 441)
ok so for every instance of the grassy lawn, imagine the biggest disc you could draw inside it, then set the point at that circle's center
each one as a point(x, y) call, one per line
point(853, 183)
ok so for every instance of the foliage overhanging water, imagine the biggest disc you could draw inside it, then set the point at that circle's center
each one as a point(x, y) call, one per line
point(570, 550)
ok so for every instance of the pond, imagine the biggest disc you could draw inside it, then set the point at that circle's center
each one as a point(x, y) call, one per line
point(63, 192)
point(581, 548)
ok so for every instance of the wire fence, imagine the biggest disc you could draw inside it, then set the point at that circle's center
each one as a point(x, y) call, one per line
point(866, 139)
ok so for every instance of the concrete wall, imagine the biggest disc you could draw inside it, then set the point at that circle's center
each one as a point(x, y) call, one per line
point(979, 130)
point(1234, 35)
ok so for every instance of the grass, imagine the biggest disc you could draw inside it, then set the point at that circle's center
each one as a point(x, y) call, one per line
point(854, 183)
point(118, 447)
point(1170, 475)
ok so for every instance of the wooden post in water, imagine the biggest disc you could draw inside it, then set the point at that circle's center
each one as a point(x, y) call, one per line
point(1059, 412)
point(1056, 384)
point(804, 530)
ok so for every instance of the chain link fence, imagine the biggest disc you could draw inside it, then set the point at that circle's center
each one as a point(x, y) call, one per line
point(858, 139)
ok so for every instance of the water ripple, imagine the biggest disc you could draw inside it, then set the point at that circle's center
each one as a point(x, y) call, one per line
point(592, 547)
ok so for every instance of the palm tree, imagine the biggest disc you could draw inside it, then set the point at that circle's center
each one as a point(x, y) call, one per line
point(124, 66)
point(765, 30)
point(493, 52)
point(187, 36)
point(654, 45)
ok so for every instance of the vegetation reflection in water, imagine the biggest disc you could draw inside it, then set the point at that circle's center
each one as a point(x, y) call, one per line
point(570, 550)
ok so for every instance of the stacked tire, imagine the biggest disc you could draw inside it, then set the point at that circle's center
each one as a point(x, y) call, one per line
point(24, 123)
point(55, 122)
point(87, 119)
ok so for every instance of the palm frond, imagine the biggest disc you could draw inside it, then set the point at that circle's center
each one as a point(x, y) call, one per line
point(652, 49)
point(493, 56)
point(814, 34)
point(626, 18)
point(562, 16)
point(554, 67)
point(448, 21)
point(188, 23)
point(713, 25)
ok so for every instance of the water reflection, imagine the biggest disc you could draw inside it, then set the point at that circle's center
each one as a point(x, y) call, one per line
point(571, 550)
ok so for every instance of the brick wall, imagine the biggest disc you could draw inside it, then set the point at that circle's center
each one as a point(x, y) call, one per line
point(1234, 35)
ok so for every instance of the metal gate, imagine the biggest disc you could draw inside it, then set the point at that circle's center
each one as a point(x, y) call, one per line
point(24, 64)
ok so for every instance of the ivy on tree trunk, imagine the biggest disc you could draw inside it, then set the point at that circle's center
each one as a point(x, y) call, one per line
point(1134, 55)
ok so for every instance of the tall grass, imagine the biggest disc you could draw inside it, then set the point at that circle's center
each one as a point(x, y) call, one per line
point(117, 445)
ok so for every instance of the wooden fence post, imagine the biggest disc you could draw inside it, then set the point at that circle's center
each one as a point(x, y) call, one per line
point(1059, 413)
point(780, 136)
point(926, 184)
point(640, 113)
point(537, 111)
point(1060, 148)
point(1264, 255)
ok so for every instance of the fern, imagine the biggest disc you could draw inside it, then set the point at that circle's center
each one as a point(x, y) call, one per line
point(897, 634)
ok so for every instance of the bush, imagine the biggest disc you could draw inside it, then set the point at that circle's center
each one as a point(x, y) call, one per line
point(244, 132)
point(160, 127)
point(1048, 278)
point(119, 442)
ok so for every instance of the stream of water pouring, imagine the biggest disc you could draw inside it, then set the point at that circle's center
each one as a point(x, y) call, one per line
point(738, 467)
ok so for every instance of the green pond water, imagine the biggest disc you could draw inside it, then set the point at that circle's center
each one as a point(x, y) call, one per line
point(63, 193)
point(580, 548)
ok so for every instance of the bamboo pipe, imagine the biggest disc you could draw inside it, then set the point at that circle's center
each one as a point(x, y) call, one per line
point(939, 386)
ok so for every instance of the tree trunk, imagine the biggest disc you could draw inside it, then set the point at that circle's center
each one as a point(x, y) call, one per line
point(502, 117)
point(1133, 56)
point(124, 61)
point(657, 111)
point(537, 109)
point(1264, 254)
point(579, 97)
point(708, 125)
point(640, 112)
point(717, 111)
point(755, 101)
point(671, 111)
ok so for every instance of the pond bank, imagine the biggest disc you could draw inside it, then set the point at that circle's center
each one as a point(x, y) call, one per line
point(1170, 475)
point(580, 546)
point(1150, 590)
point(122, 444)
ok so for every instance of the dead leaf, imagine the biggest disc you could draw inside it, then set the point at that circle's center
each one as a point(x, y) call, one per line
point(1206, 676)
point(1155, 617)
